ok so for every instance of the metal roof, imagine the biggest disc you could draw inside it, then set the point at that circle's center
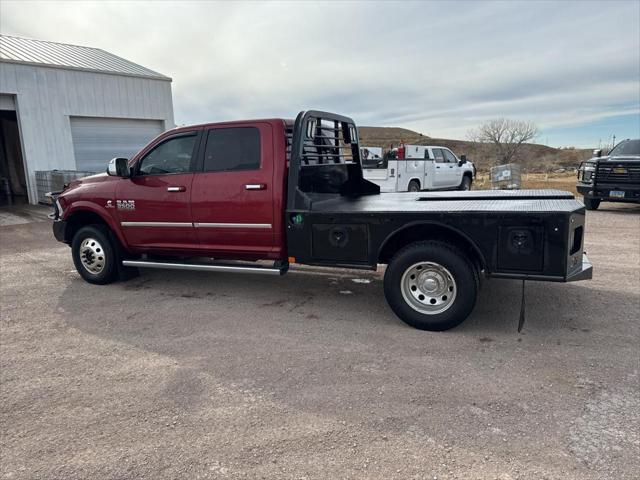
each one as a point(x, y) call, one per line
point(75, 57)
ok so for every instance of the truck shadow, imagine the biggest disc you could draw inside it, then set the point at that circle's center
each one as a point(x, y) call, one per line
point(158, 306)
point(617, 208)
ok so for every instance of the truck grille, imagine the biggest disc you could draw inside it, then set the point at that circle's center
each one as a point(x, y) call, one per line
point(616, 172)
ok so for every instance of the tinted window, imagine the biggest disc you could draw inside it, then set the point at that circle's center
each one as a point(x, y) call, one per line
point(438, 155)
point(628, 147)
point(231, 149)
point(450, 157)
point(171, 156)
point(368, 159)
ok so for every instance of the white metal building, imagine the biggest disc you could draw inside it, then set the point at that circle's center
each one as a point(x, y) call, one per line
point(68, 107)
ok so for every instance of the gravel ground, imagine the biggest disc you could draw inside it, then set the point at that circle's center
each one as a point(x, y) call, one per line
point(194, 375)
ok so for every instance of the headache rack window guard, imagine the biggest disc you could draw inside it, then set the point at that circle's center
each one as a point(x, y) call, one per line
point(329, 143)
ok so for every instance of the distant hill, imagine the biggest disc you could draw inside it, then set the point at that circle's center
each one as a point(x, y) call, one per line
point(385, 136)
point(533, 157)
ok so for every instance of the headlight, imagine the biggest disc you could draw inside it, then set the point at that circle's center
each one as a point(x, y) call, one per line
point(587, 172)
point(57, 207)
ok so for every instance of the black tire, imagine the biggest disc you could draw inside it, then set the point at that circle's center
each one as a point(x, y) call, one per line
point(466, 183)
point(100, 257)
point(591, 203)
point(461, 269)
point(414, 186)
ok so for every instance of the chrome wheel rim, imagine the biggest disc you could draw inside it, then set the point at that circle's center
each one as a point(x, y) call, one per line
point(428, 288)
point(92, 256)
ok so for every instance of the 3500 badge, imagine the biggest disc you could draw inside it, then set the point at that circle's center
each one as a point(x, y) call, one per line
point(126, 204)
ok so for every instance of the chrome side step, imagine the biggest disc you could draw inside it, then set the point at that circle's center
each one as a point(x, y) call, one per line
point(205, 267)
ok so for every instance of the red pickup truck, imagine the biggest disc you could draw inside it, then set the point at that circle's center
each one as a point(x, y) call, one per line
point(293, 191)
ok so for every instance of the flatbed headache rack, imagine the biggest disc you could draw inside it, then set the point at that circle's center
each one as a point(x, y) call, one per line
point(325, 159)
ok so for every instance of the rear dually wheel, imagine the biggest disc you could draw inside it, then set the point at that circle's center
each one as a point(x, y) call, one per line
point(414, 186)
point(431, 285)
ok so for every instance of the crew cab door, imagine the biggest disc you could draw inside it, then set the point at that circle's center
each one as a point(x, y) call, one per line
point(232, 199)
point(153, 206)
point(454, 171)
point(441, 171)
point(429, 170)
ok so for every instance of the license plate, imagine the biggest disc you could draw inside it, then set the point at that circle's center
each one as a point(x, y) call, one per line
point(616, 194)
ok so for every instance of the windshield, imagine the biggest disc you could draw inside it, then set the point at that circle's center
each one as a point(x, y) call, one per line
point(628, 147)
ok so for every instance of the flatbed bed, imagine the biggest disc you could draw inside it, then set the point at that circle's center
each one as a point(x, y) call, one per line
point(470, 201)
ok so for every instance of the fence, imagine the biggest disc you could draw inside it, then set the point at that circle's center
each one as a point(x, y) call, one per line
point(506, 177)
point(54, 180)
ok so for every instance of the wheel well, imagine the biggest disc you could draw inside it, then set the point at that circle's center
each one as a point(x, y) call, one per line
point(77, 220)
point(468, 174)
point(415, 180)
point(415, 233)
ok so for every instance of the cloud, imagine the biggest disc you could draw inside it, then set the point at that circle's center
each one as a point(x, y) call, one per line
point(440, 68)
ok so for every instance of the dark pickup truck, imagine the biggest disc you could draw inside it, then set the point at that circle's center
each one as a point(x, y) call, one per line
point(221, 197)
point(612, 178)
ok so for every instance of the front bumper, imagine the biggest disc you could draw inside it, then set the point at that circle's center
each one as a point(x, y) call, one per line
point(60, 230)
point(603, 191)
point(585, 273)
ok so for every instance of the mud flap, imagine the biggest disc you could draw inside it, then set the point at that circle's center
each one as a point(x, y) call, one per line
point(522, 308)
point(124, 273)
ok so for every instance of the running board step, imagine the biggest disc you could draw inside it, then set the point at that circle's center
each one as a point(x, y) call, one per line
point(209, 267)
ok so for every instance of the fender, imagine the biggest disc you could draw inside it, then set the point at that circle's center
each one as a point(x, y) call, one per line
point(420, 182)
point(439, 225)
point(86, 206)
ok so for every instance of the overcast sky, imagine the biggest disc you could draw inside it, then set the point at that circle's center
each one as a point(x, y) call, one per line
point(439, 68)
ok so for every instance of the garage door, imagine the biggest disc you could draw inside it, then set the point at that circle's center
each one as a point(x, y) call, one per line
point(98, 140)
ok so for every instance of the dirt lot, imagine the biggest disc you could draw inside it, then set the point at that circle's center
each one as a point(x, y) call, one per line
point(193, 375)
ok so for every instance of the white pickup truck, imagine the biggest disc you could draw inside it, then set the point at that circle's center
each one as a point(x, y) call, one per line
point(411, 168)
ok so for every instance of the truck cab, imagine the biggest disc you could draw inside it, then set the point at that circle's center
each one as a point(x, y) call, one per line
point(412, 168)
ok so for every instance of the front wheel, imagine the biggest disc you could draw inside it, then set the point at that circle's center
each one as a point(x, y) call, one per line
point(466, 183)
point(431, 285)
point(591, 203)
point(94, 255)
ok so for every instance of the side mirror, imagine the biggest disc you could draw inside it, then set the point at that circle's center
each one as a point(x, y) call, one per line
point(463, 158)
point(119, 167)
point(597, 153)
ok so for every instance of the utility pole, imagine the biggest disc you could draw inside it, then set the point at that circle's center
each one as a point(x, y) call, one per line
point(613, 144)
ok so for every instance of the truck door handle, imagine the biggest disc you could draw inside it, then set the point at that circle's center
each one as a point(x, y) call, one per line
point(255, 186)
point(176, 189)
